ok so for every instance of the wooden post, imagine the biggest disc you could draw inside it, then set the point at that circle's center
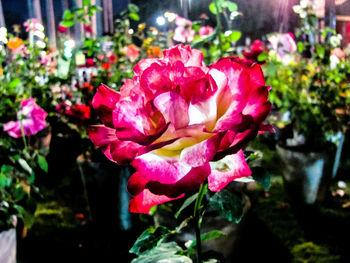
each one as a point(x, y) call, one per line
point(2, 20)
point(65, 6)
point(78, 27)
point(184, 6)
point(110, 16)
point(98, 19)
point(51, 23)
point(37, 10)
point(105, 17)
point(331, 19)
point(30, 8)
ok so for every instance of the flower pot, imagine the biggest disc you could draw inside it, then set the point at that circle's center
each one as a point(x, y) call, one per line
point(105, 186)
point(8, 246)
point(306, 175)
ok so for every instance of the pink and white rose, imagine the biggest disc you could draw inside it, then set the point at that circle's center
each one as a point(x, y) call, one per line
point(176, 119)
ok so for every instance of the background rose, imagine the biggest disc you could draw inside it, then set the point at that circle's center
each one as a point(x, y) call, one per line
point(284, 44)
point(32, 118)
point(176, 119)
point(183, 32)
point(256, 49)
point(205, 31)
point(132, 52)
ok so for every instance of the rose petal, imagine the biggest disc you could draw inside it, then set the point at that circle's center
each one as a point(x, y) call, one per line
point(121, 152)
point(138, 123)
point(13, 128)
point(200, 153)
point(156, 168)
point(174, 108)
point(104, 102)
point(157, 184)
point(143, 202)
point(232, 167)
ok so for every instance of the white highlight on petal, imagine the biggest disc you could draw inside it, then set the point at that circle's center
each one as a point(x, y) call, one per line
point(196, 116)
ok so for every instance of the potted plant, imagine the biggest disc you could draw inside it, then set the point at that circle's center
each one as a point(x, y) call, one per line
point(22, 155)
point(311, 92)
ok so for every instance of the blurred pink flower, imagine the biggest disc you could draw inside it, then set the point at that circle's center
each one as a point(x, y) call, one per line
point(32, 23)
point(256, 49)
point(338, 52)
point(183, 32)
point(89, 62)
point(283, 44)
point(204, 16)
point(31, 117)
point(79, 111)
point(62, 29)
point(88, 28)
point(206, 31)
point(132, 52)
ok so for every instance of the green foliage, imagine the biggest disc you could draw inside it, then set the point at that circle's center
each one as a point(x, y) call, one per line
point(213, 9)
point(134, 16)
point(310, 252)
point(228, 204)
point(235, 36)
point(214, 234)
point(263, 56)
point(166, 252)
point(149, 239)
point(43, 163)
point(261, 176)
point(187, 203)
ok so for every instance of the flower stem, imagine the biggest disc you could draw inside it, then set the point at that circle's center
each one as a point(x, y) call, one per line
point(198, 220)
point(23, 137)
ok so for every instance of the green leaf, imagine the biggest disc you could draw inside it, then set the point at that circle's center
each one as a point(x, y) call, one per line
point(19, 193)
point(263, 56)
point(261, 176)
point(5, 180)
point(14, 83)
point(43, 163)
point(68, 15)
point(68, 23)
point(86, 2)
point(133, 8)
point(196, 27)
point(166, 252)
point(235, 36)
point(6, 168)
point(230, 6)
point(253, 156)
point(89, 43)
point(28, 218)
point(300, 46)
point(228, 204)
point(31, 177)
point(320, 50)
point(23, 163)
point(94, 8)
point(208, 236)
point(134, 16)
point(225, 46)
point(187, 202)
point(149, 239)
point(213, 9)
